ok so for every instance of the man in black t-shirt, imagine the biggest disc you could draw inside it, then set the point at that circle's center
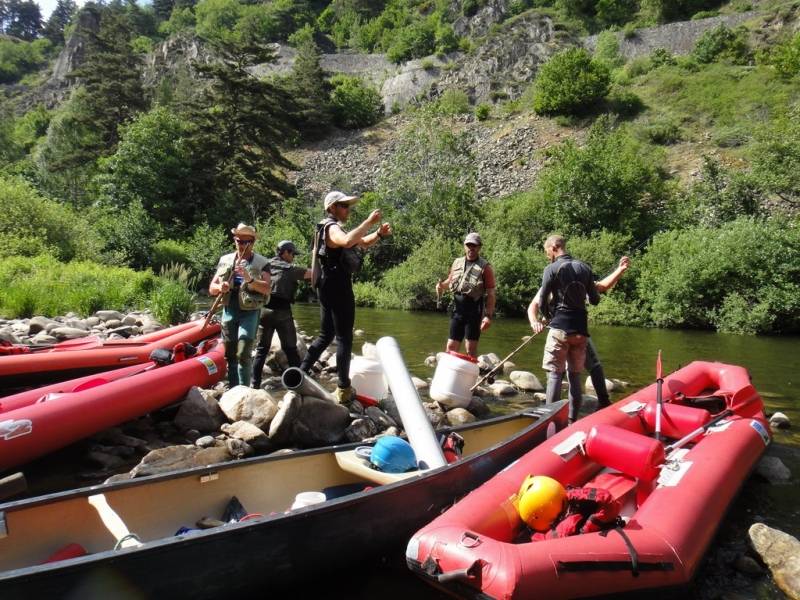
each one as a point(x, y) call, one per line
point(277, 315)
point(570, 282)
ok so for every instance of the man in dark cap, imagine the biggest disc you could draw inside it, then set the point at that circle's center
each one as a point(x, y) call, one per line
point(471, 279)
point(277, 315)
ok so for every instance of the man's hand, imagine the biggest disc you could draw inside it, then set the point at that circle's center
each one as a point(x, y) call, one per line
point(384, 230)
point(537, 326)
point(374, 217)
point(624, 263)
point(242, 272)
point(486, 322)
point(224, 287)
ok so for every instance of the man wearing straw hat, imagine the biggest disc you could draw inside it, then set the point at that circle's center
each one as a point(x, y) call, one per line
point(335, 258)
point(243, 279)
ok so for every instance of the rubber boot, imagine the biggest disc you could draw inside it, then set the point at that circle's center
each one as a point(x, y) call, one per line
point(553, 392)
point(575, 395)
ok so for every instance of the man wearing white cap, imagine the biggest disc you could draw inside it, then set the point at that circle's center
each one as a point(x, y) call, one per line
point(277, 315)
point(243, 277)
point(336, 258)
point(471, 280)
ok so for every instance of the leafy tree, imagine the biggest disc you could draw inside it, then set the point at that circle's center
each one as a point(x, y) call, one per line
point(239, 123)
point(59, 19)
point(152, 165)
point(414, 41)
point(569, 83)
point(776, 158)
point(786, 57)
point(19, 58)
point(354, 103)
point(722, 44)
point(616, 12)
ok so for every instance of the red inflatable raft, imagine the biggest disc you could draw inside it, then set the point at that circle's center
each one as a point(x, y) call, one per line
point(40, 425)
point(33, 367)
point(673, 496)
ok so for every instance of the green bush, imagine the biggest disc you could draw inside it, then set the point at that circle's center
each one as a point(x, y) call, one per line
point(570, 82)
point(172, 302)
point(607, 50)
point(44, 286)
point(169, 252)
point(414, 41)
point(663, 132)
point(786, 57)
point(724, 278)
point(482, 111)
point(18, 58)
point(453, 102)
point(624, 103)
point(723, 44)
point(31, 225)
point(355, 104)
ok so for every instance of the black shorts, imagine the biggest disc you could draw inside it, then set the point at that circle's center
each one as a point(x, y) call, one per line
point(468, 326)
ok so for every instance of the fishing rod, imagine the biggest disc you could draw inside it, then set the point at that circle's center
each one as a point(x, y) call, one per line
point(502, 362)
point(221, 295)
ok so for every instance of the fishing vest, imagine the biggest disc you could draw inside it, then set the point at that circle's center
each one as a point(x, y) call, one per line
point(571, 291)
point(347, 259)
point(468, 281)
point(283, 285)
point(248, 299)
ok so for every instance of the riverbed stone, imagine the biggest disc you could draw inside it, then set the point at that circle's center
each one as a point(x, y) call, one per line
point(381, 419)
point(526, 381)
point(319, 422)
point(199, 410)
point(115, 436)
point(243, 403)
point(610, 386)
point(779, 421)
point(781, 553)
point(360, 429)
point(748, 566)
point(773, 469)
point(280, 429)
point(540, 397)
point(389, 406)
point(68, 333)
point(420, 384)
point(92, 321)
point(358, 333)
point(107, 315)
point(43, 339)
point(77, 324)
point(238, 448)
point(509, 367)
point(205, 441)
point(430, 361)
point(435, 414)
point(37, 324)
point(125, 331)
point(460, 416)
point(478, 407)
point(247, 432)
point(502, 388)
point(105, 460)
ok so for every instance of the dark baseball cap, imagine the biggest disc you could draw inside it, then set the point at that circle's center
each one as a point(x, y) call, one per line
point(289, 246)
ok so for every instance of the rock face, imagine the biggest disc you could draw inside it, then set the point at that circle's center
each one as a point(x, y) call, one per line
point(74, 52)
point(242, 403)
point(781, 553)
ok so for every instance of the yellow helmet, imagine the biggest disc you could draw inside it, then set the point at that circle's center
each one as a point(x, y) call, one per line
point(540, 500)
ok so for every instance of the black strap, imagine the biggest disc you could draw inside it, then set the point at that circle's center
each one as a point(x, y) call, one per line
point(631, 550)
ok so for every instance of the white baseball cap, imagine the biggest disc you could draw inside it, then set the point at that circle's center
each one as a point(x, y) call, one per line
point(339, 198)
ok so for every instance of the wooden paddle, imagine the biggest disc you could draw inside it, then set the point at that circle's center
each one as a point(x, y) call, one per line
point(745, 403)
point(502, 362)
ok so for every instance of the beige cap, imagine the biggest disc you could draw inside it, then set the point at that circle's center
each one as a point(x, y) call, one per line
point(339, 198)
point(244, 229)
point(473, 238)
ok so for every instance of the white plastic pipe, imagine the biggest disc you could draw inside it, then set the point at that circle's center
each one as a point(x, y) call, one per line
point(418, 428)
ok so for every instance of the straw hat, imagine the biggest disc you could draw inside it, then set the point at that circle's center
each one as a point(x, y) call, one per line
point(244, 229)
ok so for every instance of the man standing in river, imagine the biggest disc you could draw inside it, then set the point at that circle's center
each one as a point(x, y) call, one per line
point(277, 315)
point(471, 279)
point(244, 280)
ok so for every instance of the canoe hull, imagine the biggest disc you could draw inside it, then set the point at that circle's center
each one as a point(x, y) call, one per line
point(280, 549)
point(52, 365)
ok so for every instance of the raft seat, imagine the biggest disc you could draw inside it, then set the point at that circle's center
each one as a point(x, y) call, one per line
point(676, 420)
point(634, 455)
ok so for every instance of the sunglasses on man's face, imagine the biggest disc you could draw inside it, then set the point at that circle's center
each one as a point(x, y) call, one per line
point(473, 246)
point(243, 242)
point(347, 206)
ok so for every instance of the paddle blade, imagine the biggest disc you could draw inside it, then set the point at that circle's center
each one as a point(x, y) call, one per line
point(746, 402)
point(658, 366)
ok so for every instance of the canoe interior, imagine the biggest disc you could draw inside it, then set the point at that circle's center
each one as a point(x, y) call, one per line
point(157, 508)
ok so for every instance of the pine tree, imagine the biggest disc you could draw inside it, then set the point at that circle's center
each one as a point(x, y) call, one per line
point(239, 122)
point(21, 18)
point(59, 19)
point(308, 85)
point(163, 9)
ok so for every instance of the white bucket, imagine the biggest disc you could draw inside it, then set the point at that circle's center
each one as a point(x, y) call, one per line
point(452, 380)
point(304, 499)
point(366, 376)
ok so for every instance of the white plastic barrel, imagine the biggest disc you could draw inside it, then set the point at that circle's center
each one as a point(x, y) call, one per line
point(304, 499)
point(366, 376)
point(452, 380)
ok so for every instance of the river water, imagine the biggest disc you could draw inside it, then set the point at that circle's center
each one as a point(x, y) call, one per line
point(628, 354)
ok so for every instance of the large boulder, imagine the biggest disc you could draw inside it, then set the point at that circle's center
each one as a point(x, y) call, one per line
point(247, 432)
point(460, 416)
point(109, 315)
point(200, 410)
point(242, 403)
point(319, 422)
point(360, 429)
point(526, 381)
point(773, 469)
point(280, 429)
point(174, 458)
point(781, 553)
point(68, 333)
point(37, 324)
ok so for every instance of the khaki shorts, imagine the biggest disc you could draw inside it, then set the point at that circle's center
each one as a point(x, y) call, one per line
point(564, 352)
